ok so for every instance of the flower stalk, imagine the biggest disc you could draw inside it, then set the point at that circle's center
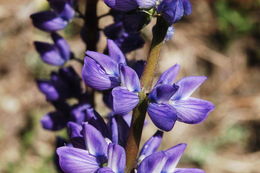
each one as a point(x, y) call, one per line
point(90, 34)
point(159, 33)
point(135, 132)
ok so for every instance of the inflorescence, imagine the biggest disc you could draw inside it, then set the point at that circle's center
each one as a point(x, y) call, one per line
point(99, 144)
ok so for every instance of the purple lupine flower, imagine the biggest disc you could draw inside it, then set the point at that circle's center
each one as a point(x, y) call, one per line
point(170, 33)
point(173, 10)
point(119, 128)
point(55, 54)
point(170, 102)
point(134, 22)
point(126, 41)
point(146, 4)
point(165, 162)
point(97, 152)
point(151, 145)
point(138, 66)
point(94, 152)
point(62, 85)
point(55, 120)
point(125, 97)
point(122, 5)
point(56, 19)
point(64, 8)
point(81, 113)
point(116, 129)
point(101, 71)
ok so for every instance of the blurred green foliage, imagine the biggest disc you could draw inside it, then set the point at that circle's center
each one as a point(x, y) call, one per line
point(232, 136)
point(232, 21)
point(235, 20)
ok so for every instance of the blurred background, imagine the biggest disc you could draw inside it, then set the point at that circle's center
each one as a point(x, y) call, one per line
point(220, 40)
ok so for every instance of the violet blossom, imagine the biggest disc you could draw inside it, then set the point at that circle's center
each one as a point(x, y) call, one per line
point(55, 54)
point(173, 10)
point(62, 85)
point(101, 71)
point(99, 155)
point(125, 40)
point(171, 102)
point(97, 152)
point(57, 18)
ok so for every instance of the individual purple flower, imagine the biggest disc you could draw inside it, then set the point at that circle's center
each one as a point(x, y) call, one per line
point(125, 97)
point(170, 33)
point(54, 121)
point(126, 41)
point(171, 102)
point(146, 4)
point(173, 10)
point(122, 5)
point(55, 54)
point(57, 18)
point(64, 8)
point(62, 85)
point(116, 128)
point(58, 118)
point(165, 162)
point(134, 22)
point(119, 128)
point(97, 152)
point(101, 71)
point(151, 145)
point(81, 113)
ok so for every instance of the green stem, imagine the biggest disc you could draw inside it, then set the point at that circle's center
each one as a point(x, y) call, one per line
point(159, 32)
point(135, 132)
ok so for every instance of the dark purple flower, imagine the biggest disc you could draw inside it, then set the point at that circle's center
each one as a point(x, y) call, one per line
point(98, 152)
point(118, 129)
point(122, 5)
point(101, 71)
point(57, 119)
point(126, 41)
point(55, 54)
point(134, 22)
point(173, 10)
point(62, 85)
point(64, 8)
point(53, 121)
point(171, 101)
point(165, 162)
point(48, 21)
point(56, 19)
point(138, 66)
point(85, 113)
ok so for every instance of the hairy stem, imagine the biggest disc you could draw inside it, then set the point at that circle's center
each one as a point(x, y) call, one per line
point(159, 32)
point(135, 132)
